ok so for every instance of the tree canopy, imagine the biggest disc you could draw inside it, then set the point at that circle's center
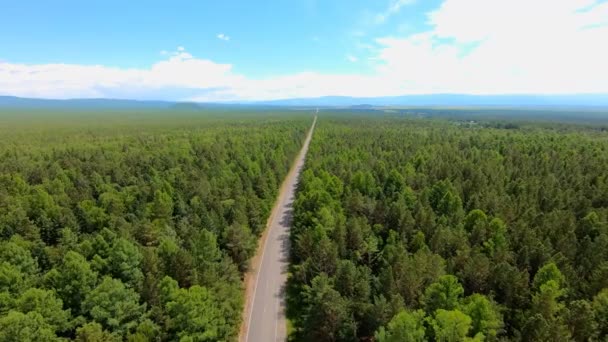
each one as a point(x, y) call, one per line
point(134, 226)
point(436, 230)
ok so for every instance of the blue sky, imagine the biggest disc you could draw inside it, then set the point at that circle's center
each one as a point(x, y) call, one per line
point(266, 37)
point(244, 50)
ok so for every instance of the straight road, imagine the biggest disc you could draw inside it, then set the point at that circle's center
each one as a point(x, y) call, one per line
point(264, 313)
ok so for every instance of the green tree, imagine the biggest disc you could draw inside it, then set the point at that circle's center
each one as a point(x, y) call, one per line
point(549, 272)
point(15, 254)
point(445, 200)
point(443, 294)
point(193, 313)
point(474, 219)
point(124, 259)
point(12, 280)
point(406, 326)
point(600, 311)
point(545, 321)
point(31, 327)
point(72, 280)
point(93, 332)
point(162, 206)
point(146, 331)
point(327, 317)
point(240, 244)
point(93, 218)
point(364, 182)
point(476, 224)
point(394, 183)
point(47, 305)
point(581, 320)
point(114, 306)
point(451, 326)
point(486, 318)
point(497, 241)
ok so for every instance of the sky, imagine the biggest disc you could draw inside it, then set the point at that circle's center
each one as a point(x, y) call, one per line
point(275, 49)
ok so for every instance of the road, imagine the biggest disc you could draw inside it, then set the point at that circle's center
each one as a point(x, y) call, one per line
point(264, 312)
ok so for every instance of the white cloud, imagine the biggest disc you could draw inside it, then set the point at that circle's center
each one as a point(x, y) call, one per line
point(472, 46)
point(305, 84)
point(494, 46)
point(223, 37)
point(352, 58)
point(393, 8)
point(180, 70)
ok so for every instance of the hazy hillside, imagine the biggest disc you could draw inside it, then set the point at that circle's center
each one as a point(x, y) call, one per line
point(449, 100)
point(583, 100)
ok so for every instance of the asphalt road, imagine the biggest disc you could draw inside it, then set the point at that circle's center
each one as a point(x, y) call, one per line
point(265, 299)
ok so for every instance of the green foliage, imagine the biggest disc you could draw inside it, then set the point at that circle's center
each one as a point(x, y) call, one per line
point(451, 326)
point(146, 331)
point(328, 317)
point(600, 311)
point(444, 294)
point(31, 327)
point(469, 219)
point(581, 320)
point(14, 253)
point(546, 319)
point(97, 208)
point(404, 327)
point(94, 208)
point(162, 207)
point(486, 318)
point(12, 280)
point(47, 305)
point(93, 217)
point(549, 272)
point(124, 259)
point(193, 314)
point(240, 243)
point(444, 199)
point(73, 279)
point(497, 242)
point(114, 306)
point(93, 332)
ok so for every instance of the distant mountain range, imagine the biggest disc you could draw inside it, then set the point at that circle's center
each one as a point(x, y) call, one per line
point(455, 100)
point(437, 100)
point(21, 102)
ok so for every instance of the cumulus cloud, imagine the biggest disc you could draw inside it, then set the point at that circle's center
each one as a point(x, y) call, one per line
point(352, 58)
point(494, 46)
point(223, 37)
point(471, 46)
point(179, 70)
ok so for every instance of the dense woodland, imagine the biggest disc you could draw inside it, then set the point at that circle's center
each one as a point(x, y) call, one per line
point(426, 230)
point(133, 227)
point(139, 226)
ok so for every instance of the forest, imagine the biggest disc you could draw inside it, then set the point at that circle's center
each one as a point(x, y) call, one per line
point(434, 230)
point(139, 226)
point(131, 226)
